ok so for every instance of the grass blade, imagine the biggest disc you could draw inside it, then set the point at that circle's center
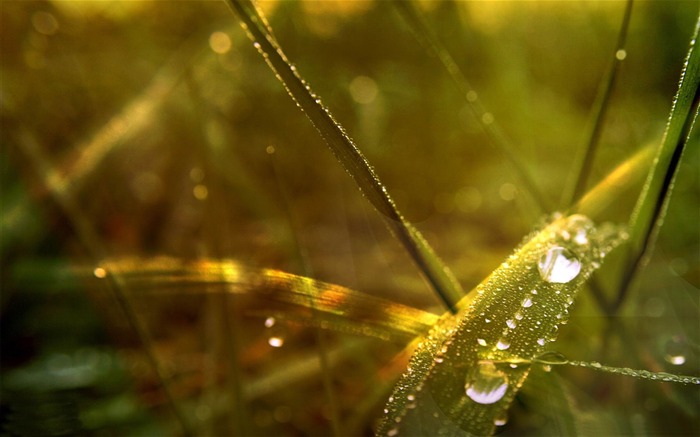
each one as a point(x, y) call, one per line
point(88, 236)
point(347, 153)
point(326, 302)
point(498, 138)
point(648, 214)
point(585, 163)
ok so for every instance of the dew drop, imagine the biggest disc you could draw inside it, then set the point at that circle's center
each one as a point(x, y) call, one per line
point(551, 357)
point(558, 265)
point(502, 345)
point(518, 316)
point(275, 341)
point(269, 322)
point(540, 341)
point(527, 302)
point(675, 351)
point(500, 421)
point(488, 385)
point(481, 341)
point(511, 323)
point(100, 273)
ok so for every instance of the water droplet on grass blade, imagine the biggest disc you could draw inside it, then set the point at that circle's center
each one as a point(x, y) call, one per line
point(502, 345)
point(500, 421)
point(275, 341)
point(558, 266)
point(488, 385)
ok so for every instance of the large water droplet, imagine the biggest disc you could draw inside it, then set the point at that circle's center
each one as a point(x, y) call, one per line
point(558, 265)
point(488, 385)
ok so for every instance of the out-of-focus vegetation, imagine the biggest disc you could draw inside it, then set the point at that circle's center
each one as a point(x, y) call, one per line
point(155, 128)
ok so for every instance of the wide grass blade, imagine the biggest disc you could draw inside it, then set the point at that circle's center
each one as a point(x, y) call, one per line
point(347, 153)
point(647, 217)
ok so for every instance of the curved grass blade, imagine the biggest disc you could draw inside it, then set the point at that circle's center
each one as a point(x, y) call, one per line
point(498, 138)
point(437, 273)
point(584, 164)
point(320, 303)
point(647, 217)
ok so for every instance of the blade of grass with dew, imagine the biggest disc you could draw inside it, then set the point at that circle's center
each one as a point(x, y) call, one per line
point(647, 217)
point(516, 314)
point(583, 165)
point(436, 272)
point(498, 138)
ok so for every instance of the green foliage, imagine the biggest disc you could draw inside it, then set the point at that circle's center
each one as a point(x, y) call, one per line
point(138, 129)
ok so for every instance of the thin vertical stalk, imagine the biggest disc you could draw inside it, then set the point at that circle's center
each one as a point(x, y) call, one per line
point(91, 241)
point(436, 272)
point(585, 163)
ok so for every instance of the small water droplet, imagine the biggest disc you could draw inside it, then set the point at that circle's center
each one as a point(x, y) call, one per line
point(621, 54)
point(502, 345)
point(488, 385)
point(100, 273)
point(275, 341)
point(439, 360)
point(269, 322)
point(551, 357)
point(518, 316)
point(481, 341)
point(411, 397)
point(675, 351)
point(487, 320)
point(500, 421)
point(511, 323)
point(540, 341)
point(527, 302)
point(392, 432)
point(558, 265)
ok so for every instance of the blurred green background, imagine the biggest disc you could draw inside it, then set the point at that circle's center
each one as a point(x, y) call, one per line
point(163, 132)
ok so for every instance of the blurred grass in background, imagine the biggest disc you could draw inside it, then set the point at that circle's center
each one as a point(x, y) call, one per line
point(173, 138)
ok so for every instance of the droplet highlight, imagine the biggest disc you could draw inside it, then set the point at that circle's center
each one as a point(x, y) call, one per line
point(488, 385)
point(558, 266)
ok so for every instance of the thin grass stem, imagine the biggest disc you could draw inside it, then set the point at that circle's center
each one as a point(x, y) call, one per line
point(436, 272)
point(583, 165)
point(432, 44)
point(681, 130)
point(113, 281)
